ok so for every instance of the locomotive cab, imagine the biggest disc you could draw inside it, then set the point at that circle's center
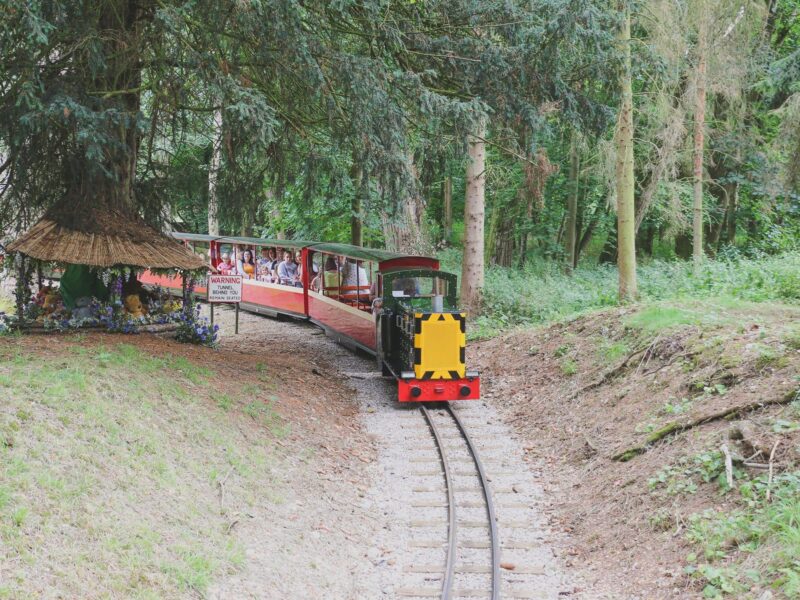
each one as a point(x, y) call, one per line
point(421, 337)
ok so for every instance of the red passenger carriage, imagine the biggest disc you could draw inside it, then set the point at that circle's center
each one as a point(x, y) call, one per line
point(340, 288)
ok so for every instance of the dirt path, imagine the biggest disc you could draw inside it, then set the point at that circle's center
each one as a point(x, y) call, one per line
point(311, 543)
point(364, 533)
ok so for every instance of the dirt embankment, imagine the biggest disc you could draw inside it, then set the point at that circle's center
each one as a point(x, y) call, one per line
point(631, 414)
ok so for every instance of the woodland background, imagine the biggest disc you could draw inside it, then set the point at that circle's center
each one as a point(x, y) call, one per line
point(528, 134)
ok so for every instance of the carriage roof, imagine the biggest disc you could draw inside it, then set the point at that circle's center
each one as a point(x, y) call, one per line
point(357, 252)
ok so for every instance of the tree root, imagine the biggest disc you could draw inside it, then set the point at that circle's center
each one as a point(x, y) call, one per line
point(676, 427)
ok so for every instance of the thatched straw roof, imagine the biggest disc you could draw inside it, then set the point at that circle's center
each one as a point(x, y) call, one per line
point(106, 239)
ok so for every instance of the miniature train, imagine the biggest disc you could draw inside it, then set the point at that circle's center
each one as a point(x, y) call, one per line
point(401, 309)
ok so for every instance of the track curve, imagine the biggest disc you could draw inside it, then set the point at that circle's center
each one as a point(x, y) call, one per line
point(452, 534)
point(452, 541)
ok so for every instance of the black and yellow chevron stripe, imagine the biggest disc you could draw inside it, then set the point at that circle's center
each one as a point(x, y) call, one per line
point(440, 345)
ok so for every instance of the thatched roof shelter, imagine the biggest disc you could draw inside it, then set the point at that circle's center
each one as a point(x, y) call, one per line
point(103, 237)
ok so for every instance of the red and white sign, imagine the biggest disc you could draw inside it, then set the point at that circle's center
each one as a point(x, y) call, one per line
point(225, 288)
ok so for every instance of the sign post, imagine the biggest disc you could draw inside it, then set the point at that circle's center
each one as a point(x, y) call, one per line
point(225, 289)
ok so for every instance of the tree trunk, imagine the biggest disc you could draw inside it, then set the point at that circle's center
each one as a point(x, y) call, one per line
point(109, 180)
point(22, 292)
point(729, 222)
point(247, 224)
point(587, 236)
point(357, 176)
point(699, 142)
point(472, 270)
point(626, 229)
point(560, 232)
point(526, 228)
point(122, 23)
point(716, 221)
point(683, 246)
point(499, 240)
point(608, 254)
point(490, 235)
point(405, 231)
point(273, 210)
point(447, 198)
point(571, 236)
point(213, 174)
point(646, 237)
point(730, 214)
point(504, 246)
point(356, 236)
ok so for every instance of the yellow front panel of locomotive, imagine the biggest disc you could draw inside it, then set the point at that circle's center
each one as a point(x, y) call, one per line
point(439, 345)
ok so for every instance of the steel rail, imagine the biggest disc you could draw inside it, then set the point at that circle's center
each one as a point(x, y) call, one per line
point(493, 532)
point(450, 561)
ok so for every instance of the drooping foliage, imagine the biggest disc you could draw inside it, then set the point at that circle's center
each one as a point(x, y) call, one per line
point(122, 93)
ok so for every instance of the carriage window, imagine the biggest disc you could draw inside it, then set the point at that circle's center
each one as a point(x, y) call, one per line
point(226, 249)
point(226, 262)
point(344, 279)
point(356, 283)
point(328, 281)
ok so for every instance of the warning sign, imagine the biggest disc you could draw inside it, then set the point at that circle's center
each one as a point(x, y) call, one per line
point(225, 288)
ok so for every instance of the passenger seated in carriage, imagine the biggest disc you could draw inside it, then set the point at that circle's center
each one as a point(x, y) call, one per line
point(355, 288)
point(265, 265)
point(288, 272)
point(353, 274)
point(327, 281)
point(226, 267)
point(245, 266)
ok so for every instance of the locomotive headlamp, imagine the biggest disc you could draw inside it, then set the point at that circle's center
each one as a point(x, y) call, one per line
point(416, 391)
point(464, 390)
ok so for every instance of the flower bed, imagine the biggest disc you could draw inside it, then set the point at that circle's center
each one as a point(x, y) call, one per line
point(160, 313)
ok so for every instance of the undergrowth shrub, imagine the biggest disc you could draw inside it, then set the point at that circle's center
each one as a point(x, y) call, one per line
point(541, 292)
point(765, 523)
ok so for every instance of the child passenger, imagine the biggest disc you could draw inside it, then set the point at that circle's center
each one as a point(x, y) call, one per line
point(264, 265)
point(226, 267)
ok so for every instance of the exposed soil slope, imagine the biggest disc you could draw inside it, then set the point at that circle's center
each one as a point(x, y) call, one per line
point(137, 467)
point(591, 396)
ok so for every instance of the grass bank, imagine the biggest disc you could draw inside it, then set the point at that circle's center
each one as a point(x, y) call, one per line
point(542, 293)
point(119, 475)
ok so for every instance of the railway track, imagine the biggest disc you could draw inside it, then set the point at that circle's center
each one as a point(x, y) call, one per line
point(443, 423)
